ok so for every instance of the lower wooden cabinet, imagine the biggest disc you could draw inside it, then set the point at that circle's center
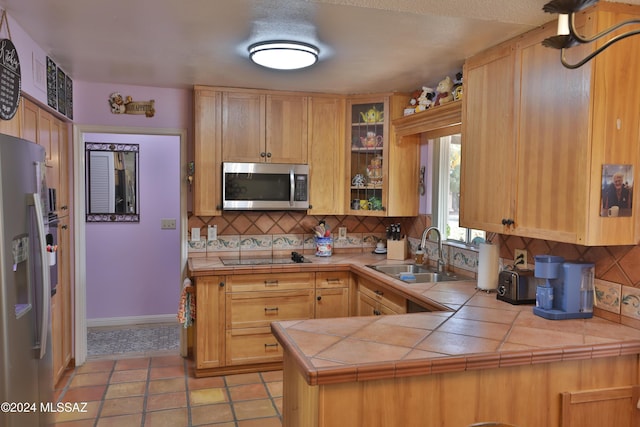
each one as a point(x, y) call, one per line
point(374, 300)
point(234, 313)
point(209, 326)
point(252, 303)
point(332, 294)
point(252, 345)
point(601, 407)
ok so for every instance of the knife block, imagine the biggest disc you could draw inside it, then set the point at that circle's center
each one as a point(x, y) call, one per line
point(397, 249)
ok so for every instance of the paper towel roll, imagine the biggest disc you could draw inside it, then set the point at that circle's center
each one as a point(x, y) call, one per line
point(488, 267)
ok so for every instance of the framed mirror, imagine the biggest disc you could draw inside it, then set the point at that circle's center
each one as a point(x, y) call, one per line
point(112, 191)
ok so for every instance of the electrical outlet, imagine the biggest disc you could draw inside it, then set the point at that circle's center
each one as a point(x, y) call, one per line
point(195, 234)
point(168, 224)
point(520, 258)
point(342, 232)
point(212, 232)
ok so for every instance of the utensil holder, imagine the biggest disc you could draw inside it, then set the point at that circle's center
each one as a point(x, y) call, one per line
point(397, 249)
point(324, 246)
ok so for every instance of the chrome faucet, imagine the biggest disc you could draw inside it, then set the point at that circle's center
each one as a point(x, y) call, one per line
point(425, 234)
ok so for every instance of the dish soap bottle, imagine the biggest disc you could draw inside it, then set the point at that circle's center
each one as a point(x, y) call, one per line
point(419, 255)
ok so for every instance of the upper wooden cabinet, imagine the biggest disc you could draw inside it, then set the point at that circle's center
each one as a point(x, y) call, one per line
point(536, 136)
point(264, 127)
point(326, 155)
point(241, 125)
point(382, 173)
point(488, 140)
point(207, 180)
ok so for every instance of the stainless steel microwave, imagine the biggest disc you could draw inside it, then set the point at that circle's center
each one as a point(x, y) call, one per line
point(264, 186)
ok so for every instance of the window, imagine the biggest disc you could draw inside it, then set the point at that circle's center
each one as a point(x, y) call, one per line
point(446, 197)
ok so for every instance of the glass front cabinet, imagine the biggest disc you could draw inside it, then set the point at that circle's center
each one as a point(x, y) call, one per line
point(382, 174)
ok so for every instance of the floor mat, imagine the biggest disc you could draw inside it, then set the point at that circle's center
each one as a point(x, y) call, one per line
point(133, 339)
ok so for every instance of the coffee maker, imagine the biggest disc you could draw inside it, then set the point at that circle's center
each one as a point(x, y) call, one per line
point(565, 289)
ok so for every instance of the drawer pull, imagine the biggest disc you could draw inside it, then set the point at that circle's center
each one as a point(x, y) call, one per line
point(267, 347)
point(271, 283)
point(377, 312)
point(379, 293)
point(268, 309)
point(333, 280)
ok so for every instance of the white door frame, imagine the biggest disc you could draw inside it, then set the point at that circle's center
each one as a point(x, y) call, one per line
point(80, 274)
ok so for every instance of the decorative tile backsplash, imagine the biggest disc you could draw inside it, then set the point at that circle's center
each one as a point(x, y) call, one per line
point(617, 269)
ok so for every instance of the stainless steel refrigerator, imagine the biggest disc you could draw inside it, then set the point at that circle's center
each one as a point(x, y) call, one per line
point(25, 291)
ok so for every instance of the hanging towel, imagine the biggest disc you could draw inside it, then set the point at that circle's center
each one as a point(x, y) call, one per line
point(187, 307)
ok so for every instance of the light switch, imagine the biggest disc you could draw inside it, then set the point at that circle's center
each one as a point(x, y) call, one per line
point(168, 224)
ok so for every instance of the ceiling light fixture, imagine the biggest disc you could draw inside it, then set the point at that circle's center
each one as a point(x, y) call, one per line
point(568, 37)
point(283, 55)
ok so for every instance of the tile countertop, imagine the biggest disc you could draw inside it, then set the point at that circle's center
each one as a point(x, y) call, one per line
point(478, 332)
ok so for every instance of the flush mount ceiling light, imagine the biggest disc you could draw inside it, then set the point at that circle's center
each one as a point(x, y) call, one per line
point(567, 35)
point(283, 55)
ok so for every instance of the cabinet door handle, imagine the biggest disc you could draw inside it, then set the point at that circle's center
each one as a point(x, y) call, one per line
point(268, 346)
point(333, 280)
point(64, 208)
point(269, 155)
point(64, 227)
point(221, 284)
point(319, 298)
point(263, 154)
point(271, 282)
point(379, 293)
point(268, 309)
point(376, 312)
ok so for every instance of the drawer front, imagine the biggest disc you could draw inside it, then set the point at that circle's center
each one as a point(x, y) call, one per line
point(329, 279)
point(394, 301)
point(259, 309)
point(269, 282)
point(254, 345)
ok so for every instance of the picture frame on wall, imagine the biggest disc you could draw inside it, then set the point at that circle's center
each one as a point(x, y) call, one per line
point(617, 190)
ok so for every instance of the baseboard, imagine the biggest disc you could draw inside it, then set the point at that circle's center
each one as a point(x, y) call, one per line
point(132, 320)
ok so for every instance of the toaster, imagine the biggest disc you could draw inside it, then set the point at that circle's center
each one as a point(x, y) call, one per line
point(517, 287)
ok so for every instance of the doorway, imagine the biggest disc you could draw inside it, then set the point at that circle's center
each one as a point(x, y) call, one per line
point(120, 272)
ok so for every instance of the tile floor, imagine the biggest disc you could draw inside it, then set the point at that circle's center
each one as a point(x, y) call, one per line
point(158, 391)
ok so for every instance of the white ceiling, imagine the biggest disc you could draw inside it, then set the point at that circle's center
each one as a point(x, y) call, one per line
point(366, 45)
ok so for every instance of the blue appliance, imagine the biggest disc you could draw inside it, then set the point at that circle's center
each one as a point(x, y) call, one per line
point(567, 292)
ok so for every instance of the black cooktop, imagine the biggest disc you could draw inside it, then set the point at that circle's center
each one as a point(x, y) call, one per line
point(294, 259)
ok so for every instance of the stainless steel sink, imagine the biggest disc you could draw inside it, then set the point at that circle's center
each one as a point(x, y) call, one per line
point(396, 269)
point(412, 273)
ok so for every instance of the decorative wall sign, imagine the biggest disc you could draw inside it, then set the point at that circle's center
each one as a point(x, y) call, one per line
point(126, 105)
point(52, 84)
point(10, 79)
point(68, 96)
point(59, 89)
point(617, 190)
point(61, 85)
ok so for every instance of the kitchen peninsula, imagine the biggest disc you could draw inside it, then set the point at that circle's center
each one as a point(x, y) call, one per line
point(482, 360)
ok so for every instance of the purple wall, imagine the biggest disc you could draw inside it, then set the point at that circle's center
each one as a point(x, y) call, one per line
point(133, 269)
point(174, 107)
